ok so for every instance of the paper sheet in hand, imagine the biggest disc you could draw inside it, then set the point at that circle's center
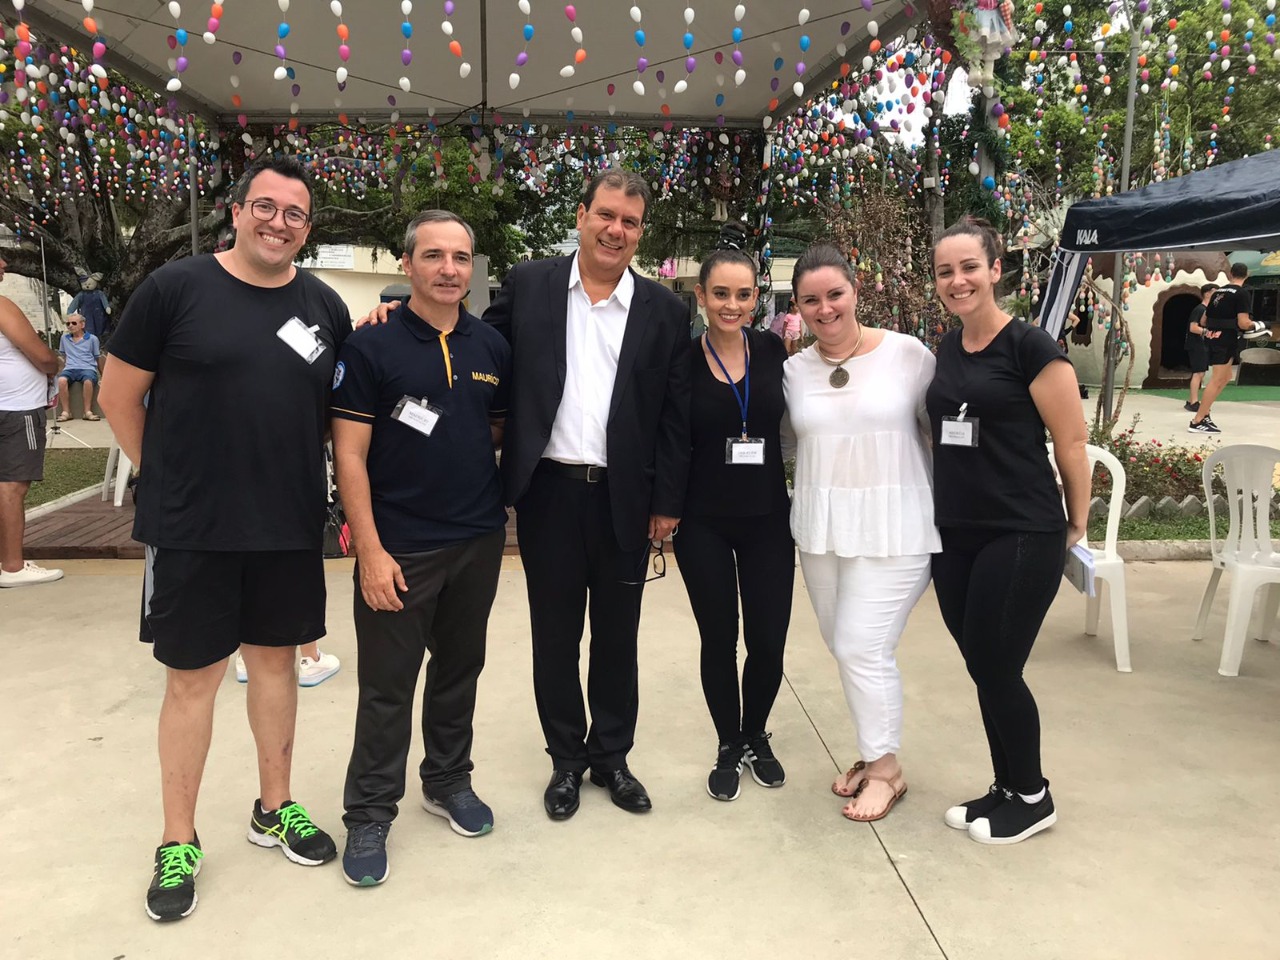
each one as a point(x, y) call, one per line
point(1079, 569)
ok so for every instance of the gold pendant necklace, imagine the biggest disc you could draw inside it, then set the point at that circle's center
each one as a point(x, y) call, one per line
point(840, 376)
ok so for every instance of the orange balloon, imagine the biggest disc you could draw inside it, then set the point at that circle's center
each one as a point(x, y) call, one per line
point(235, 99)
point(343, 32)
point(455, 48)
point(946, 56)
point(580, 55)
point(24, 32)
point(90, 25)
point(666, 109)
point(773, 104)
point(844, 69)
point(216, 11)
point(1173, 24)
point(1225, 35)
point(875, 45)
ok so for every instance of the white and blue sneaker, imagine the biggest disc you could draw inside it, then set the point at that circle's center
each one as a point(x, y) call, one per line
point(364, 861)
point(468, 815)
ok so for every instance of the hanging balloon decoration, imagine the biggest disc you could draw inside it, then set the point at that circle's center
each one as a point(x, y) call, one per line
point(344, 48)
point(527, 32)
point(642, 63)
point(575, 31)
point(455, 47)
point(690, 62)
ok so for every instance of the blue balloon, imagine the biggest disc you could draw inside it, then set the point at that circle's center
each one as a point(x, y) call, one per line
point(777, 64)
point(989, 183)
point(282, 31)
point(688, 41)
point(804, 43)
point(528, 31)
point(640, 37)
point(407, 29)
point(181, 36)
point(1068, 26)
point(737, 34)
point(719, 99)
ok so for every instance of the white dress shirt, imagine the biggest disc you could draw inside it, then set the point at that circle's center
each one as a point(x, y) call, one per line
point(593, 340)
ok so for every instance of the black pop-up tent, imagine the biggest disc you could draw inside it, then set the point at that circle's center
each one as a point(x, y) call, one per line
point(1232, 206)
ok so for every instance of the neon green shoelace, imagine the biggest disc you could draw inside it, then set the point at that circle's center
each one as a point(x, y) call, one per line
point(294, 817)
point(178, 862)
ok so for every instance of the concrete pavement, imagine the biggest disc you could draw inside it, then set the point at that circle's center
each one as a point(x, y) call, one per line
point(1165, 779)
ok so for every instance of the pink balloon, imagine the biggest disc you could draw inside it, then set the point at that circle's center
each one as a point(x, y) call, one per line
point(99, 50)
point(214, 24)
point(571, 13)
point(344, 53)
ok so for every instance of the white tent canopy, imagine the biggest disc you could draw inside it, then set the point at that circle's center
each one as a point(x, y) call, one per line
point(491, 34)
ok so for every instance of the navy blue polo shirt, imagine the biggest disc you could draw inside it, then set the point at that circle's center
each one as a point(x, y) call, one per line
point(428, 492)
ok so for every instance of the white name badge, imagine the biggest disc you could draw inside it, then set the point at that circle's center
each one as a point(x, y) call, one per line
point(959, 433)
point(301, 339)
point(417, 415)
point(745, 451)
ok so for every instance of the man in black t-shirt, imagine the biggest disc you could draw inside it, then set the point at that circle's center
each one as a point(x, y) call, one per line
point(1227, 311)
point(418, 407)
point(1197, 345)
point(236, 351)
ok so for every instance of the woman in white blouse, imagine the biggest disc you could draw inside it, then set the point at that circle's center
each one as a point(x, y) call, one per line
point(862, 514)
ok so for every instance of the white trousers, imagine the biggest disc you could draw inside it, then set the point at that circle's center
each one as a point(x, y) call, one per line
point(862, 604)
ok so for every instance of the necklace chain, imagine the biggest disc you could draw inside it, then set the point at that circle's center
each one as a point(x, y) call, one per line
point(839, 363)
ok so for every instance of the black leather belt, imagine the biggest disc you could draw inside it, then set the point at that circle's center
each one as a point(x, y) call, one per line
point(574, 471)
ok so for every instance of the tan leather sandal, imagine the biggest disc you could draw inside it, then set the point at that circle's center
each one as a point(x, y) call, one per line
point(896, 784)
point(851, 782)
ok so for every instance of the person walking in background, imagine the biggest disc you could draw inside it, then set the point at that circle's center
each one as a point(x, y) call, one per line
point(999, 383)
point(237, 352)
point(26, 364)
point(734, 542)
point(81, 356)
point(1227, 313)
point(1198, 348)
point(862, 513)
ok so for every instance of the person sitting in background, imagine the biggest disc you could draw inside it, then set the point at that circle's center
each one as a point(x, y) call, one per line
point(82, 363)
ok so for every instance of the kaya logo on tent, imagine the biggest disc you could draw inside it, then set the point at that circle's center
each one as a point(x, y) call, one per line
point(1085, 238)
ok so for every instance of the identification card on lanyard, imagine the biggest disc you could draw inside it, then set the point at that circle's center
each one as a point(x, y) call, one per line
point(418, 415)
point(959, 431)
point(301, 339)
point(741, 450)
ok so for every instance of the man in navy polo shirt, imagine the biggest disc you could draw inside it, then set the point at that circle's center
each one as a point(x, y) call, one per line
point(418, 406)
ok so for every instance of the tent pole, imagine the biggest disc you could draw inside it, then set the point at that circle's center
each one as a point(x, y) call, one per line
point(194, 188)
point(1109, 358)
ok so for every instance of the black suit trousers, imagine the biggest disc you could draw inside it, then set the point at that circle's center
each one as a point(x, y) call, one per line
point(572, 564)
point(446, 613)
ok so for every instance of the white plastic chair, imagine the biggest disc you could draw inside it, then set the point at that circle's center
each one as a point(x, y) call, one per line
point(1248, 471)
point(1108, 566)
point(118, 464)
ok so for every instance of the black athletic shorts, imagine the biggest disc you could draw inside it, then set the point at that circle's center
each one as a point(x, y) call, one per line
point(22, 445)
point(198, 606)
point(1197, 353)
point(1222, 349)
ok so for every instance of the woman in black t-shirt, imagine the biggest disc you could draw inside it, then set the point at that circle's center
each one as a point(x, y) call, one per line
point(735, 539)
point(999, 383)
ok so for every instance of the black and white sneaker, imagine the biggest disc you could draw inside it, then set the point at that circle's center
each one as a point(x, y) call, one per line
point(764, 766)
point(961, 815)
point(1259, 331)
point(172, 894)
point(290, 828)
point(1205, 426)
point(724, 782)
point(1191, 407)
point(1014, 820)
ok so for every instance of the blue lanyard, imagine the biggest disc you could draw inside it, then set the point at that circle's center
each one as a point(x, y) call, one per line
point(743, 401)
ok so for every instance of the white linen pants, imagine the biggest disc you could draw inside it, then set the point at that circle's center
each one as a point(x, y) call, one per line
point(862, 605)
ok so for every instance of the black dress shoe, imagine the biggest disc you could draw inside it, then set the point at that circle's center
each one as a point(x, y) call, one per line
point(561, 797)
point(624, 790)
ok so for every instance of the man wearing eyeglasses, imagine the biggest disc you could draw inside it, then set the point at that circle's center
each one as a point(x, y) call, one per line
point(236, 351)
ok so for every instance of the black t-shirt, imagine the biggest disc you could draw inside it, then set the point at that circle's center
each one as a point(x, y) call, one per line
point(233, 448)
point(428, 491)
point(1195, 340)
point(718, 489)
point(1005, 482)
point(1225, 306)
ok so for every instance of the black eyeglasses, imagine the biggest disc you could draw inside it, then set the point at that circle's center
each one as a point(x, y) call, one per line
point(659, 565)
point(265, 211)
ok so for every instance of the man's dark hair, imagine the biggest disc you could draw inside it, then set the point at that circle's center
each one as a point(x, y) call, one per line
point(1239, 271)
point(615, 178)
point(289, 167)
point(1208, 288)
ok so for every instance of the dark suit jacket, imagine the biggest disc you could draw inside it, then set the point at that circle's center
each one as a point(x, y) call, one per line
point(647, 435)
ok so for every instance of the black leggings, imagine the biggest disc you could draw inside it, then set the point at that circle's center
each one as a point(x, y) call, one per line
point(994, 588)
point(721, 558)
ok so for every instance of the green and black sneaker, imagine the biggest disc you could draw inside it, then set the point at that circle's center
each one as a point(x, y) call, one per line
point(291, 829)
point(172, 894)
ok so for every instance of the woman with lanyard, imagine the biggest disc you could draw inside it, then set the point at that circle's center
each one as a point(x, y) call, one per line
point(1000, 383)
point(862, 514)
point(733, 540)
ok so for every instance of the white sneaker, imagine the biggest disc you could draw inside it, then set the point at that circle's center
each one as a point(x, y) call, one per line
point(314, 672)
point(242, 674)
point(28, 575)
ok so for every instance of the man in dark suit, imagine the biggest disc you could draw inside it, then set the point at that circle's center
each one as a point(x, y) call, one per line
point(595, 460)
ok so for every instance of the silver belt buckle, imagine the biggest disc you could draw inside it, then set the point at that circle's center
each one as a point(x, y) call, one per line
point(593, 473)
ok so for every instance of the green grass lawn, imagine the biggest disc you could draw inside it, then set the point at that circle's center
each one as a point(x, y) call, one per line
point(66, 471)
point(1231, 392)
point(1180, 528)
